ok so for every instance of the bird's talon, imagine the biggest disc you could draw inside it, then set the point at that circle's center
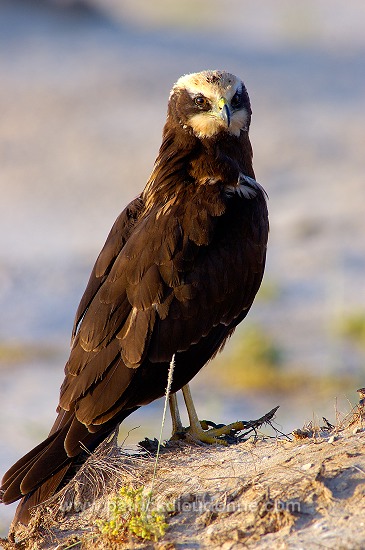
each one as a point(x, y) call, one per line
point(205, 424)
point(219, 434)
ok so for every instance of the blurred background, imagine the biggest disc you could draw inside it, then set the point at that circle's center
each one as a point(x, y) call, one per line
point(83, 95)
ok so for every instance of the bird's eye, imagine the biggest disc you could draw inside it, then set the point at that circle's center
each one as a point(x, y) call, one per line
point(236, 100)
point(201, 101)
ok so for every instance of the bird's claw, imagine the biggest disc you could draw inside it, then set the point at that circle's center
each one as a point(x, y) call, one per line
point(207, 432)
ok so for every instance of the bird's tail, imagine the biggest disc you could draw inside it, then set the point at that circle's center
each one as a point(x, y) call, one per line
point(37, 475)
point(48, 467)
point(43, 493)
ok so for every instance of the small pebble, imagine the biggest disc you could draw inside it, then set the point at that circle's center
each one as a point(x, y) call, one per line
point(332, 438)
point(308, 466)
point(358, 430)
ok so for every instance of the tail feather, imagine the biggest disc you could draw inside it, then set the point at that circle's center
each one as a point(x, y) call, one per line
point(24, 462)
point(35, 467)
point(44, 492)
point(11, 489)
point(49, 462)
point(43, 471)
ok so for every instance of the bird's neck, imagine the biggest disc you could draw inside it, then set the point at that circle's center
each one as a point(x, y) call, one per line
point(223, 159)
point(185, 160)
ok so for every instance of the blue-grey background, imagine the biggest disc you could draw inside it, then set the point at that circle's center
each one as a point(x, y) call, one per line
point(83, 95)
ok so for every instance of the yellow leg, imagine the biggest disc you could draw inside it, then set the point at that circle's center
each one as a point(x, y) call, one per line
point(177, 426)
point(198, 430)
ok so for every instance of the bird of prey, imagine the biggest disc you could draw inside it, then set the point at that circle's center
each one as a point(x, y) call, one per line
point(179, 270)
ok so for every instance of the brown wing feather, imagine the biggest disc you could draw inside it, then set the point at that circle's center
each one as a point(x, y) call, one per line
point(164, 292)
point(148, 299)
point(117, 237)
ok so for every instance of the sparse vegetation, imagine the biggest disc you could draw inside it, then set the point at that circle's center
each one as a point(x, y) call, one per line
point(263, 493)
point(352, 327)
point(131, 513)
point(256, 362)
point(253, 363)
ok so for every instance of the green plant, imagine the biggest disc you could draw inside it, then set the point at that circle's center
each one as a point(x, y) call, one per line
point(253, 361)
point(130, 512)
point(352, 327)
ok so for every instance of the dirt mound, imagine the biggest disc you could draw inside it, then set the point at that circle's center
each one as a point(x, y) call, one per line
point(267, 492)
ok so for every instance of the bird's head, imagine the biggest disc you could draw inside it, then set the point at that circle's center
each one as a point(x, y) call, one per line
point(210, 102)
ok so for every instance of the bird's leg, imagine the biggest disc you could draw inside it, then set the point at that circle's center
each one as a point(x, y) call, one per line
point(198, 430)
point(177, 426)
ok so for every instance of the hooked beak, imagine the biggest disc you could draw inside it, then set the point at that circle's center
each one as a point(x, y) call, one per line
point(224, 111)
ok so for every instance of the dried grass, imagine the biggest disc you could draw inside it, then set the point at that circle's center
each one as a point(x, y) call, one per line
point(258, 492)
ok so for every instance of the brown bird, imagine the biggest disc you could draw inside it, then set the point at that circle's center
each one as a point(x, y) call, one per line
point(179, 270)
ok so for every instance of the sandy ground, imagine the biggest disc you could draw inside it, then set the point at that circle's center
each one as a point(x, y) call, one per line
point(263, 493)
point(83, 96)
